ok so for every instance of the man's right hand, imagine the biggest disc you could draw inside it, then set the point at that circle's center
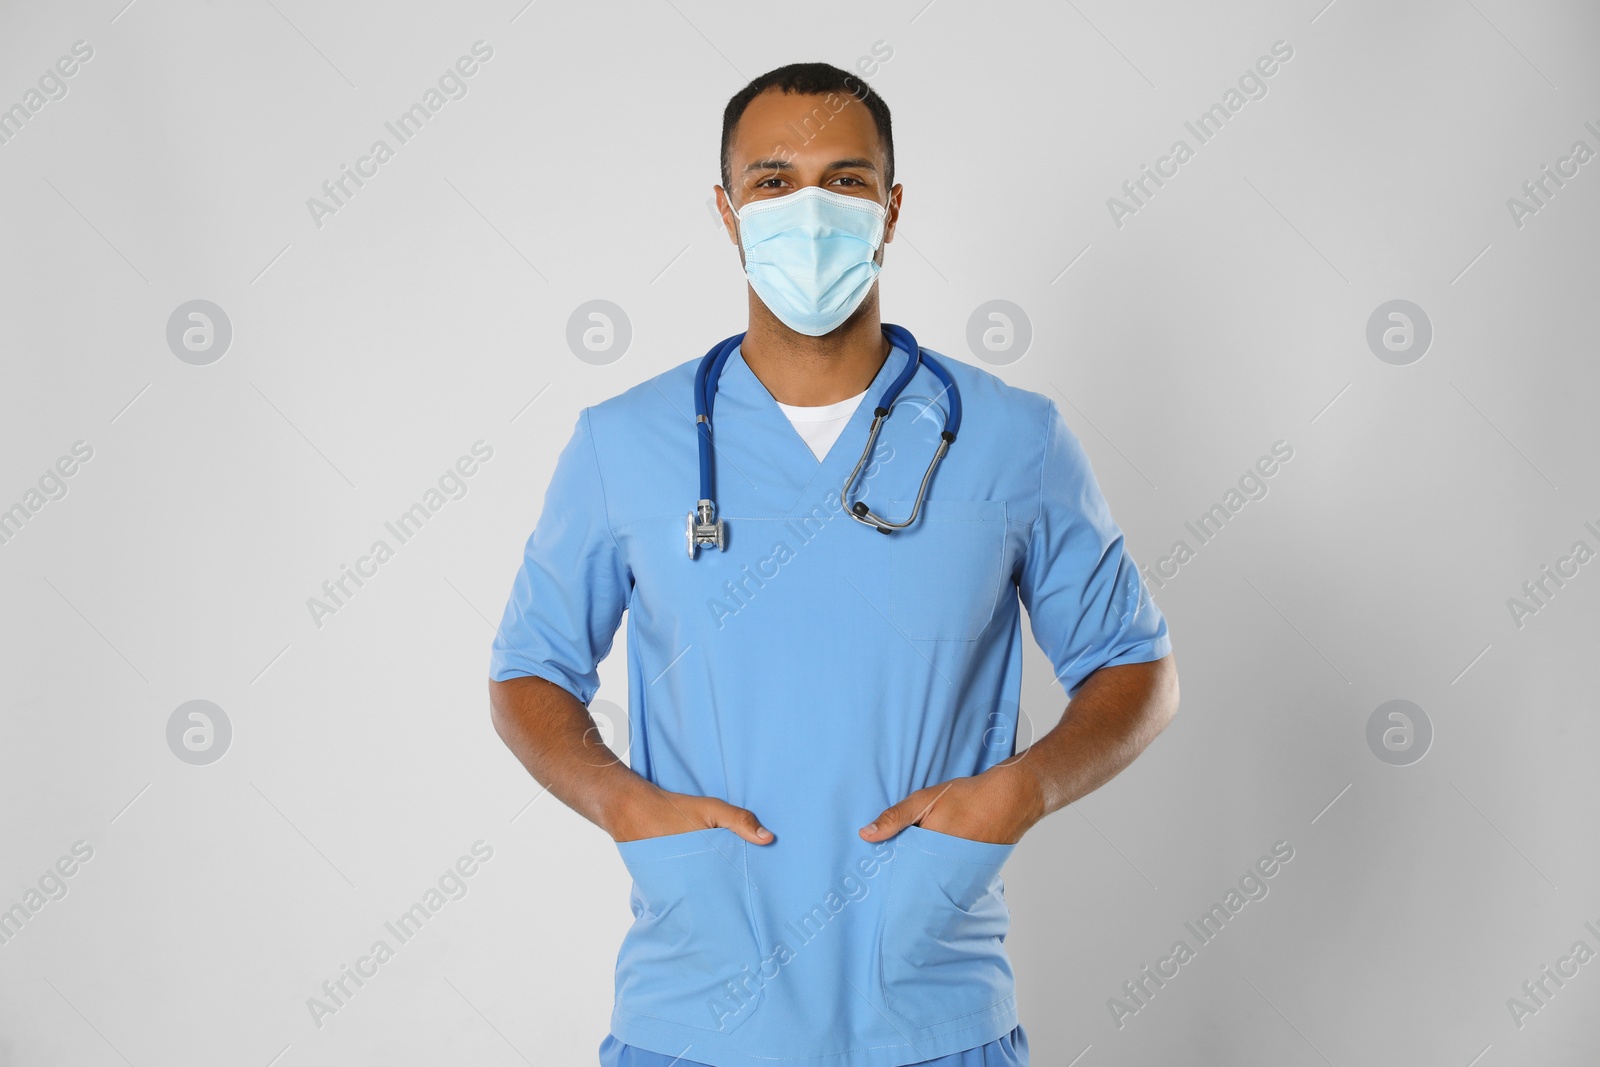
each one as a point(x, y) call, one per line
point(655, 812)
point(556, 739)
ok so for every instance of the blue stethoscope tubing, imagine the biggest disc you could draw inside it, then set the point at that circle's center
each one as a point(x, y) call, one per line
point(705, 528)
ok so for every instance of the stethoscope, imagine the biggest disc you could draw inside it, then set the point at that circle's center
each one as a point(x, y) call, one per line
point(704, 528)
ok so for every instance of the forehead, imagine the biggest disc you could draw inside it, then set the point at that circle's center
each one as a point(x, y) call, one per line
point(802, 124)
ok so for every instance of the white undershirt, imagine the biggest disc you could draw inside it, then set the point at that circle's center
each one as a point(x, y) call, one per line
point(821, 426)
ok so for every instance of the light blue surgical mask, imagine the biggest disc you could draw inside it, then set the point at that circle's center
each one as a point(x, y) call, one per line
point(809, 255)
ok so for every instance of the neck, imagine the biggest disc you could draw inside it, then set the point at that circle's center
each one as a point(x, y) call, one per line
point(812, 371)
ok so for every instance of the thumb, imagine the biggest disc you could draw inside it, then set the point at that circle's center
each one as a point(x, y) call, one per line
point(896, 817)
point(744, 823)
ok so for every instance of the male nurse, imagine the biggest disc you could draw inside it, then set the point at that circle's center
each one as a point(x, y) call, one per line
point(824, 779)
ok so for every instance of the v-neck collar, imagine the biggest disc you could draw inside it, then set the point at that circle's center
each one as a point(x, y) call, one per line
point(738, 379)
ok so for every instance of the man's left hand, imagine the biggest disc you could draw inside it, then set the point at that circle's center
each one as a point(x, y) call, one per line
point(997, 806)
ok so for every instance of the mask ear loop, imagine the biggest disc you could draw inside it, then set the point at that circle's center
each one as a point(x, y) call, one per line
point(739, 229)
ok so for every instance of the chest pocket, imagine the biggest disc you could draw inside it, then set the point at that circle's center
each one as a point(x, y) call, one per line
point(946, 570)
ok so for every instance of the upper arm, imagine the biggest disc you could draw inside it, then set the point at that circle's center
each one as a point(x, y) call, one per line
point(1087, 605)
point(569, 594)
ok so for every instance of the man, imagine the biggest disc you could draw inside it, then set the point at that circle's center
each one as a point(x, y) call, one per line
point(824, 782)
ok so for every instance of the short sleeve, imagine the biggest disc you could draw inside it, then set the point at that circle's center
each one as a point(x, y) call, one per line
point(570, 593)
point(1087, 604)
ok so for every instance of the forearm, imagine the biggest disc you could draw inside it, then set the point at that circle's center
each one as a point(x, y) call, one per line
point(552, 734)
point(1114, 716)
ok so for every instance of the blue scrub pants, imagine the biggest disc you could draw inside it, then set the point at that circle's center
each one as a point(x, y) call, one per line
point(1010, 1050)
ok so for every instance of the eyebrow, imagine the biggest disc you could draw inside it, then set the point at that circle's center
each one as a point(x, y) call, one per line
point(785, 165)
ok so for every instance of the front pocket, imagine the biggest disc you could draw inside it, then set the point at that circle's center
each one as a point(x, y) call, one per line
point(946, 569)
point(942, 954)
point(687, 956)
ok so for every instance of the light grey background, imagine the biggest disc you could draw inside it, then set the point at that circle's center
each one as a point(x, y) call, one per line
point(367, 354)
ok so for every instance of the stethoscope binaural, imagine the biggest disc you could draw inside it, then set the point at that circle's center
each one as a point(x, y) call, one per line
point(704, 528)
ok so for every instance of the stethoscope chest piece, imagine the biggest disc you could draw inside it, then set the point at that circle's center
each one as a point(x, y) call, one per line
point(704, 528)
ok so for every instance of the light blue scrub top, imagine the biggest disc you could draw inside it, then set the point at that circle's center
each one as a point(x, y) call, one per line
point(816, 672)
point(1008, 1050)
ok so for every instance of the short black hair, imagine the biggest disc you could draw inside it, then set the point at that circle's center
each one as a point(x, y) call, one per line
point(809, 79)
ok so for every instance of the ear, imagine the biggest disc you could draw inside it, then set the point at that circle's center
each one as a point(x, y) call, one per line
point(893, 215)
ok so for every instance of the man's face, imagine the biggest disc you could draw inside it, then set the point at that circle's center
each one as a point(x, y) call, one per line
point(787, 141)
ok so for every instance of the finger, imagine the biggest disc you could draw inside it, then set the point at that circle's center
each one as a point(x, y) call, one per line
point(897, 817)
point(745, 824)
point(887, 824)
point(893, 819)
